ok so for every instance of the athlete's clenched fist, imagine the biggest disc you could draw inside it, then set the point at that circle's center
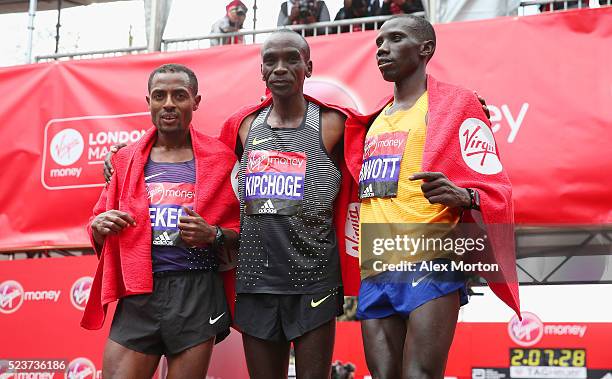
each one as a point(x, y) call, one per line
point(194, 230)
point(110, 222)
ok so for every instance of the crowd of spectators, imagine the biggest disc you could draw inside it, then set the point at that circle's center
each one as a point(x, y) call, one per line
point(369, 8)
point(302, 12)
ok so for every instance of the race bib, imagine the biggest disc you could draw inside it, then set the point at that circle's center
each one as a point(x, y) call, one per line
point(274, 182)
point(382, 158)
point(165, 208)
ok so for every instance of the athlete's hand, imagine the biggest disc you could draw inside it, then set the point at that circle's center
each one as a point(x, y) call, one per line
point(439, 190)
point(484, 105)
point(108, 166)
point(195, 231)
point(110, 222)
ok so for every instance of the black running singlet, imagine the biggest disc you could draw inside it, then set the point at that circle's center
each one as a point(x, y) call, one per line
point(288, 185)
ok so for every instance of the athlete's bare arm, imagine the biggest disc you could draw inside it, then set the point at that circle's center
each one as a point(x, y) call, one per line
point(333, 133)
point(243, 133)
point(108, 166)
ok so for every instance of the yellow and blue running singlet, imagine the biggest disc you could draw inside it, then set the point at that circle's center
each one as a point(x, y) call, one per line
point(393, 152)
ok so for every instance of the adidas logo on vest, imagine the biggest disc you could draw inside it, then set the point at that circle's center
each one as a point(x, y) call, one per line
point(367, 192)
point(268, 207)
point(163, 240)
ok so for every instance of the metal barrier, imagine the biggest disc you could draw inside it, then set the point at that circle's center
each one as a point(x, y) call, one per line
point(319, 28)
point(567, 4)
point(192, 43)
point(315, 29)
point(91, 54)
point(54, 252)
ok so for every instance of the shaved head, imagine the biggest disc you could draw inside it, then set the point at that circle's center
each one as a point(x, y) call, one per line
point(417, 26)
point(289, 36)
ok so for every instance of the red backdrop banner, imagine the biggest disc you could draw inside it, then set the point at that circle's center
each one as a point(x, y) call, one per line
point(41, 305)
point(42, 300)
point(547, 80)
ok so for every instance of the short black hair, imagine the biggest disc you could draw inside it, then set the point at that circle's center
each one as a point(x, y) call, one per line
point(175, 67)
point(287, 31)
point(422, 28)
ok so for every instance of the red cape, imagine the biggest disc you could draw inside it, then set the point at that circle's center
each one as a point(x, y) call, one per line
point(125, 266)
point(449, 107)
point(347, 200)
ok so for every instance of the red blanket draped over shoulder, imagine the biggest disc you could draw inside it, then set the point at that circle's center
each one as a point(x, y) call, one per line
point(459, 143)
point(125, 266)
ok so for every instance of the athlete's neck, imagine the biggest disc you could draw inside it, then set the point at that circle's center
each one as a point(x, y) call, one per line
point(409, 89)
point(172, 147)
point(287, 109)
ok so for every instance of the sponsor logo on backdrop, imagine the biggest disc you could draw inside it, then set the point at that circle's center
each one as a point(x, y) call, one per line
point(478, 147)
point(531, 330)
point(74, 148)
point(527, 332)
point(79, 293)
point(81, 368)
point(351, 230)
point(502, 116)
point(66, 147)
point(11, 296)
point(504, 120)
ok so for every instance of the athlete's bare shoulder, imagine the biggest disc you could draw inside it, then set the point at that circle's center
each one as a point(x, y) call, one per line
point(245, 126)
point(332, 128)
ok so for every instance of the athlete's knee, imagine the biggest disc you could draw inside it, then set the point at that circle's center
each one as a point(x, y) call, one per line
point(422, 372)
point(110, 360)
point(313, 373)
point(110, 368)
point(385, 372)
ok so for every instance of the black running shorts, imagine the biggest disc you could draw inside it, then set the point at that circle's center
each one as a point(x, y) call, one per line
point(276, 317)
point(185, 309)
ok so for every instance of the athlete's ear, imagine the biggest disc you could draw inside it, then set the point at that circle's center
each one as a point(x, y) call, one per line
point(261, 70)
point(197, 100)
point(148, 101)
point(427, 49)
point(309, 69)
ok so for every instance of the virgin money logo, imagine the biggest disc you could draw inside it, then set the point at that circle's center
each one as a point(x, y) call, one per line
point(11, 296)
point(234, 178)
point(478, 147)
point(80, 368)
point(370, 147)
point(155, 192)
point(66, 147)
point(259, 161)
point(351, 230)
point(74, 148)
point(79, 293)
point(527, 332)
